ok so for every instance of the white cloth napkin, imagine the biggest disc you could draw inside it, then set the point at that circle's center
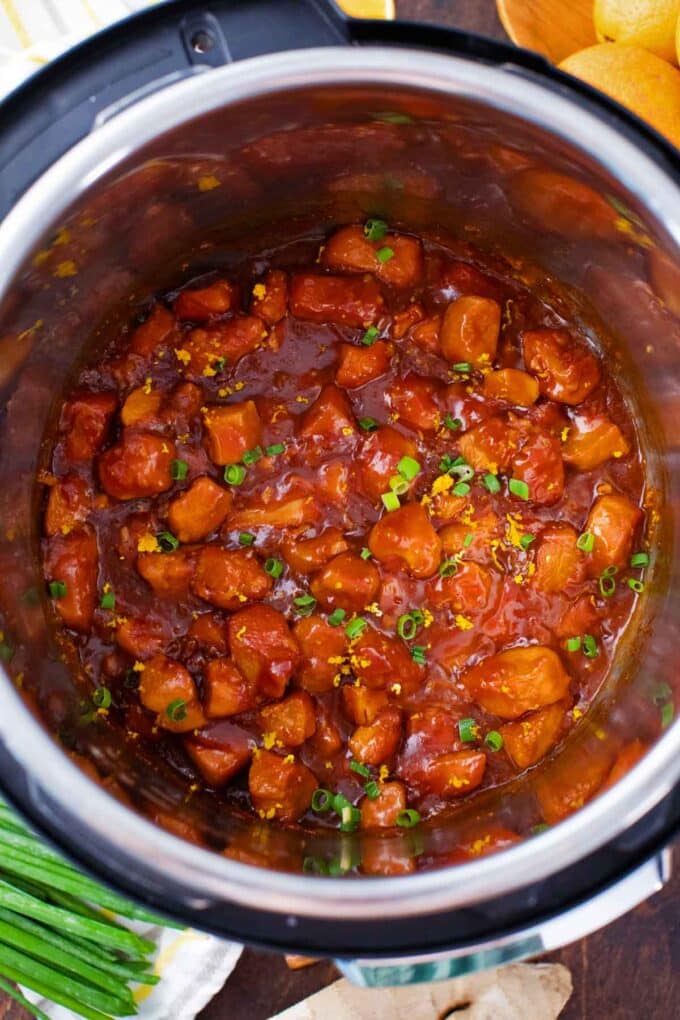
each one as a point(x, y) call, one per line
point(193, 966)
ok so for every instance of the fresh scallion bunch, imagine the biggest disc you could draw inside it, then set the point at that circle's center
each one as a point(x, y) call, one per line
point(55, 937)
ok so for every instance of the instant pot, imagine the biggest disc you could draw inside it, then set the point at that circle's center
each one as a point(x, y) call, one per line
point(153, 151)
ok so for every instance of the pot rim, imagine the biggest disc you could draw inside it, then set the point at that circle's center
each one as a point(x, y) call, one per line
point(195, 874)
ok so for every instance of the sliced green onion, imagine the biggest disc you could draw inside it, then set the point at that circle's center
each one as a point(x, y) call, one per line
point(219, 363)
point(452, 423)
point(167, 541)
point(101, 696)
point(407, 818)
point(360, 769)
point(384, 255)
point(419, 654)
point(408, 468)
point(273, 567)
point(518, 488)
point(468, 540)
point(461, 489)
point(350, 818)
point(245, 538)
point(536, 830)
point(108, 600)
point(526, 540)
point(177, 710)
point(355, 627)
point(368, 424)
point(491, 483)
point(573, 643)
point(637, 586)
point(494, 740)
point(372, 790)
point(365, 553)
point(448, 568)
point(468, 730)
point(639, 559)
point(6, 651)
point(234, 474)
point(305, 604)
point(606, 581)
point(370, 336)
point(667, 714)
point(179, 470)
point(407, 626)
point(275, 449)
point(398, 485)
point(57, 589)
point(590, 649)
point(375, 230)
point(390, 501)
point(252, 456)
point(585, 542)
point(322, 800)
point(462, 366)
point(339, 802)
point(336, 617)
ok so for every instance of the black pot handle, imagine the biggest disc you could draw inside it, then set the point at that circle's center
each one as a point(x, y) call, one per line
point(59, 105)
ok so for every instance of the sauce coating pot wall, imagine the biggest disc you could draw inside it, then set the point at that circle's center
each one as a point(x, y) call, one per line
point(237, 160)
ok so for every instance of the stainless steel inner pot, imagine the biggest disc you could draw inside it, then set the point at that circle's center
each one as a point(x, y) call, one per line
point(496, 155)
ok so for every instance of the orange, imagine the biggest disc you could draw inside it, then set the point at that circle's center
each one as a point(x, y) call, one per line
point(368, 8)
point(636, 78)
point(646, 23)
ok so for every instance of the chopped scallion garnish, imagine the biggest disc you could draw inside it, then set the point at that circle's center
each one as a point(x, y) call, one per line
point(408, 468)
point(407, 818)
point(57, 589)
point(452, 423)
point(234, 474)
point(491, 483)
point(667, 714)
point(245, 538)
point(275, 449)
point(606, 581)
point(108, 600)
point(360, 769)
point(305, 604)
point(390, 501)
point(585, 542)
point(461, 489)
point(590, 649)
point(639, 559)
point(178, 470)
point(407, 626)
point(336, 617)
point(375, 230)
point(448, 568)
point(273, 567)
point(350, 817)
point(252, 456)
point(372, 790)
point(322, 800)
point(494, 740)
point(462, 366)
point(637, 586)
point(370, 336)
point(101, 697)
point(468, 730)
point(177, 710)
point(368, 424)
point(518, 488)
point(167, 541)
point(365, 553)
point(355, 627)
point(468, 540)
point(419, 654)
point(384, 255)
point(573, 643)
point(398, 485)
point(526, 540)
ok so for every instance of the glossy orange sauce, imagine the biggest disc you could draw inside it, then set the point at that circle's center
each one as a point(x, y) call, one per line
point(216, 498)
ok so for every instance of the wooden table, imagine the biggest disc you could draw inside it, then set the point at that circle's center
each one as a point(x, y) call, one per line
point(628, 971)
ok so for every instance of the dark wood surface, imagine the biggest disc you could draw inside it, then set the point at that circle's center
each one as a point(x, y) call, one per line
point(628, 971)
